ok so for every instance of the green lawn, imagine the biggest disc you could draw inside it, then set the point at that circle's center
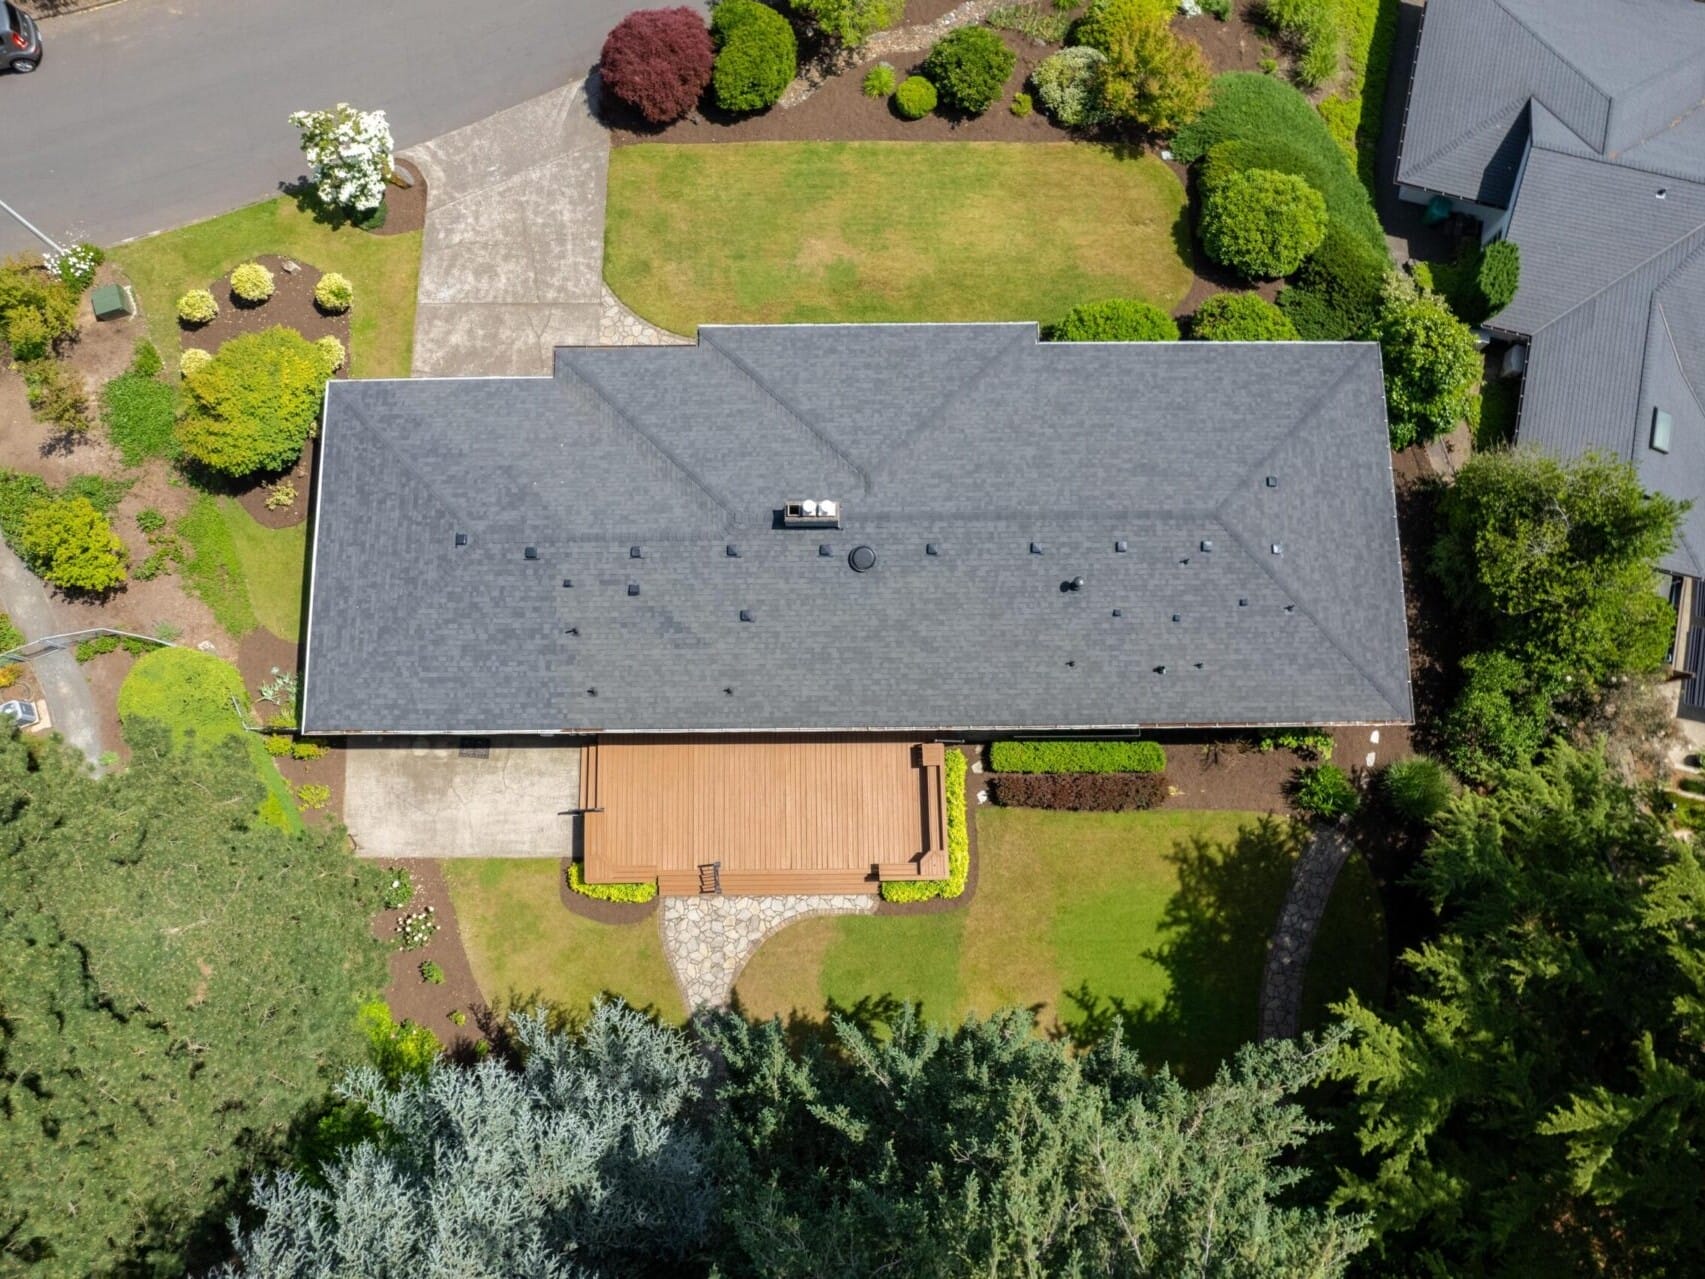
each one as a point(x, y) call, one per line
point(190, 693)
point(895, 231)
point(1160, 919)
point(525, 945)
point(383, 269)
point(248, 574)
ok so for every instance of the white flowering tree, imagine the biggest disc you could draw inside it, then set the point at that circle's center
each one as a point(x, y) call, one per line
point(349, 152)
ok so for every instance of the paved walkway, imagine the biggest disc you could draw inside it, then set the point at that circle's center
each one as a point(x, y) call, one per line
point(70, 705)
point(1312, 879)
point(707, 940)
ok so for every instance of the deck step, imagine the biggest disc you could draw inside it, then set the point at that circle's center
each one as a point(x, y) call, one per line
point(685, 883)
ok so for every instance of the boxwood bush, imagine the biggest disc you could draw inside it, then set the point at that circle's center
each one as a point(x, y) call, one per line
point(1079, 792)
point(958, 842)
point(1262, 223)
point(756, 56)
point(969, 67)
point(1241, 317)
point(609, 892)
point(915, 98)
point(1115, 320)
point(1077, 757)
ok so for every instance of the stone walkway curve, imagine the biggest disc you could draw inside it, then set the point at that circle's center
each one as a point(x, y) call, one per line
point(1312, 878)
point(884, 44)
point(708, 939)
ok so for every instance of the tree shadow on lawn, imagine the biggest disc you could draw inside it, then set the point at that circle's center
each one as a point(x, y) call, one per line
point(1214, 946)
point(870, 1015)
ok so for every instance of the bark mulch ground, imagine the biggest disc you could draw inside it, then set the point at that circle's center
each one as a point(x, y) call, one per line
point(411, 996)
point(292, 305)
point(257, 655)
point(253, 498)
point(405, 207)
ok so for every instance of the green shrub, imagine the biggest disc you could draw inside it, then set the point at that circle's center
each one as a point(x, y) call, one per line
point(1217, 9)
point(332, 352)
point(277, 744)
point(757, 55)
point(1500, 405)
point(1499, 720)
point(879, 81)
point(145, 359)
point(849, 22)
point(1241, 317)
point(1499, 275)
point(1325, 791)
point(67, 542)
point(458, 1017)
point(251, 282)
point(308, 750)
point(90, 649)
point(1310, 743)
point(958, 842)
point(334, 294)
point(1066, 83)
point(1262, 223)
point(10, 636)
point(397, 1051)
point(1354, 112)
point(915, 98)
point(969, 67)
point(76, 266)
point(1431, 365)
point(198, 307)
point(19, 495)
point(1151, 77)
point(1115, 320)
point(139, 412)
point(193, 360)
point(57, 395)
point(1338, 292)
point(1077, 757)
point(1021, 105)
point(313, 795)
point(255, 404)
point(1310, 27)
point(27, 336)
point(432, 973)
point(399, 888)
point(609, 892)
point(1417, 789)
point(25, 287)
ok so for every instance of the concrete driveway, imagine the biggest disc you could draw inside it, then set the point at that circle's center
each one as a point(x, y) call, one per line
point(512, 264)
point(424, 797)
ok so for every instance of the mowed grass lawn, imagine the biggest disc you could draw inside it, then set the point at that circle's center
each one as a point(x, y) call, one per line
point(524, 945)
point(1158, 918)
point(889, 231)
point(383, 269)
point(248, 574)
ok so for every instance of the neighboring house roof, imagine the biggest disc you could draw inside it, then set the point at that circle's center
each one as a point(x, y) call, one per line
point(976, 439)
point(1606, 190)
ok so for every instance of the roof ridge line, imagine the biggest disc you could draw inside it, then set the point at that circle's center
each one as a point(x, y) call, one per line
point(811, 427)
point(1522, 101)
point(1663, 318)
point(590, 383)
point(404, 462)
point(1608, 285)
point(1555, 52)
point(931, 417)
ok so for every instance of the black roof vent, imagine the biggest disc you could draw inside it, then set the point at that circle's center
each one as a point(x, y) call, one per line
point(567, 582)
point(1207, 545)
point(745, 615)
point(530, 553)
point(1242, 603)
point(862, 559)
point(633, 588)
point(825, 550)
point(732, 551)
point(572, 630)
point(1160, 670)
point(461, 539)
point(1121, 546)
point(1071, 661)
point(1178, 617)
point(1290, 608)
point(1118, 612)
point(591, 692)
point(1272, 481)
point(634, 553)
point(1035, 548)
point(930, 548)
point(728, 692)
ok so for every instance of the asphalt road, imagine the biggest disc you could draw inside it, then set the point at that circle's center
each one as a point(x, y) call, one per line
point(149, 114)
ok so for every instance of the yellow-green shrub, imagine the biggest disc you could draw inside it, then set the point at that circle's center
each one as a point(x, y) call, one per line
point(198, 306)
point(958, 843)
point(252, 282)
point(609, 892)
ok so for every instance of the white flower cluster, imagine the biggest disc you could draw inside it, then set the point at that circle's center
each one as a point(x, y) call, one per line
point(349, 152)
point(1190, 8)
point(76, 266)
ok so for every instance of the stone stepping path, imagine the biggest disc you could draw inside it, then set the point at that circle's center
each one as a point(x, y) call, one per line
point(1312, 879)
point(709, 939)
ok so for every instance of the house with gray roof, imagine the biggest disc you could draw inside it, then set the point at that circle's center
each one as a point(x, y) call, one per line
point(929, 529)
point(1576, 129)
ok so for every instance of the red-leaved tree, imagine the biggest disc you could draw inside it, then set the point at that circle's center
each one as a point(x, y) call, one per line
point(659, 62)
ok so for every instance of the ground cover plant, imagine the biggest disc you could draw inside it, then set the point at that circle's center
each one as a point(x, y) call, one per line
point(659, 62)
point(631, 893)
point(780, 233)
point(382, 269)
point(248, 574)
point(57, 395)
point(1157, 921)
point(523, 945)
point(179, 983)
point(139, 410)
point(756, 54)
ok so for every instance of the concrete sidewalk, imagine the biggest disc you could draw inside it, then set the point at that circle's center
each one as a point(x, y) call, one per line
point(70, 704)
point(513, 257)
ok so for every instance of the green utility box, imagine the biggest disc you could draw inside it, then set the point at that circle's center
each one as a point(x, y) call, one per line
point(111, 302)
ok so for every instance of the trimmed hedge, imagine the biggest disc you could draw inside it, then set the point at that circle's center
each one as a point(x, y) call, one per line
point(1356, 111)
point(1077, 757)
point(958, 843)
point(1079, 792)
point(635, 893)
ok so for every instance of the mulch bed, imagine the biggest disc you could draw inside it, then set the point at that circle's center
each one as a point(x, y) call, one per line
point(410, 996)
point(941, 905)
point(300, 477)
point(260, 651)
point(405, 207)
point(602, 912)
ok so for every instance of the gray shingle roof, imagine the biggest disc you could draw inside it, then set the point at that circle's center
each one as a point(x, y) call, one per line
point(977, 438)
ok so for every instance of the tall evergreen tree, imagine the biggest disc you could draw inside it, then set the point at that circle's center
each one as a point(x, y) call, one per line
point(1535, 1104)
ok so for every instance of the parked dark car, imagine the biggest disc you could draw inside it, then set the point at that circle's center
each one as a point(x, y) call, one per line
point(20, 39)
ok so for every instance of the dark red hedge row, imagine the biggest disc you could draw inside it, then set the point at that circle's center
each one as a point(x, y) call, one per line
point(1079, 792)
point(658, 61)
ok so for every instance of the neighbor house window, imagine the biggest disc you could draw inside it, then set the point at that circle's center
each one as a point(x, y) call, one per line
point(1660, 431)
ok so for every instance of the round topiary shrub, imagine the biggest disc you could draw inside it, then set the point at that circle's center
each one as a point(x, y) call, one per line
point(334, 294)
point(1241, 317)
point(969, 67)
point(333, 351)
point(659, 62)
point(756, 57)
point(1065, 81)
point(879, 81)
point(251, 283)
point(1115, 320)
point(197, 307)
point(254, 405)
point(915, 98)
point(1499, 275)
point(1262, 223)
point(193, 360)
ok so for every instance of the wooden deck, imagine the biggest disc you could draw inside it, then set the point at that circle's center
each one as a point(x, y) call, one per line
point(774, 815)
